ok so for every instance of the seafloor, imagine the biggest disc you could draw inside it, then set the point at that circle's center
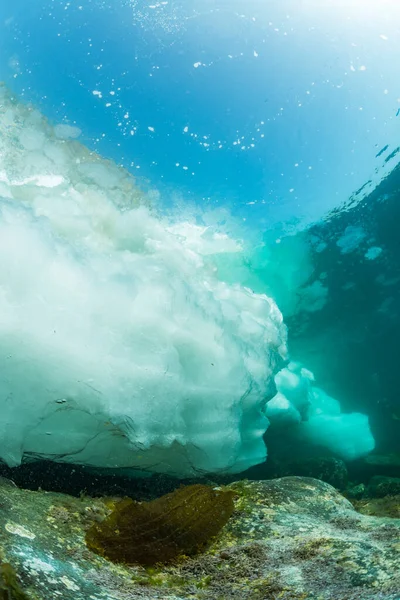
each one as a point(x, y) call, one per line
point(288, 538)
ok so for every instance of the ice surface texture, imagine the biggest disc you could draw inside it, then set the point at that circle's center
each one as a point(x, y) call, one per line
point(118, 345)
point(318, 417)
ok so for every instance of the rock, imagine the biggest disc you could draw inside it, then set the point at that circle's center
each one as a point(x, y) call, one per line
point(330, 469)
point(291, 538)
point(356, 491)
point(384, 461)
point(389, 506)
point(363, 469)
point(380, 486)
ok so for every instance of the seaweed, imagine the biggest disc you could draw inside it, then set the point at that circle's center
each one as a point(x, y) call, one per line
point(147, 533)
point(9, 586)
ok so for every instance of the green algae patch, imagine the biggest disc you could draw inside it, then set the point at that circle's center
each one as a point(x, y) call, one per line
point(180, 523)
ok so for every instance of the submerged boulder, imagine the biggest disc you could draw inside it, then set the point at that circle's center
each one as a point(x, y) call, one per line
point(289, 538)
point(381, 486)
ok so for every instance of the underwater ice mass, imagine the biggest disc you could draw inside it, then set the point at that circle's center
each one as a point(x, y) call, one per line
point(120, 346)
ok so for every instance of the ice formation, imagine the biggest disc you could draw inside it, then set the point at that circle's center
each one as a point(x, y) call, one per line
point(119, 346)
point(318, 417)
point(313, 297)
point(282, 267)
point(351, 239)
point(373, 253)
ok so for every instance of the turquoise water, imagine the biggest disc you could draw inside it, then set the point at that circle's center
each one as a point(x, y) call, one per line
point(198, 206)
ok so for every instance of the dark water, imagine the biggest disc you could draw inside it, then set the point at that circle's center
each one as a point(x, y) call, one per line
point(352, 342)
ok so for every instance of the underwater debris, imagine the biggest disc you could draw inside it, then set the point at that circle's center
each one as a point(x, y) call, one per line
point(147, 533)
point(9, 586)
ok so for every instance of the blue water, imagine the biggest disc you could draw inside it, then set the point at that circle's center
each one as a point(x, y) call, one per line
point(280, 120)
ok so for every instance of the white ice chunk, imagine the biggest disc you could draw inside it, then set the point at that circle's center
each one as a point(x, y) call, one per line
point(373, 253)
point(281, 412)
point(322, 404)
point(351, 239)
point(119, 347)
point(65, 132)
point(293, 386)
point(347, 435)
